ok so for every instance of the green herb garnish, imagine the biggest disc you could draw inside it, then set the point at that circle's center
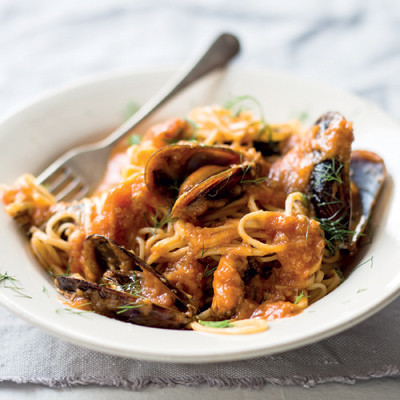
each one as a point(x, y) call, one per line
point(204, 251)
point(339, 272)
point(329, 172)
point(13, 284)
point(157, 222)
point(256, 180)
point(134, 287)
point(299, 297)
point(208, 271)
point(361, 290)
point(74, 310)
point(128, 307)
point(134, 139)
point(131, 108)
point(216, 324)
point(67, 270)
point(335, 229)
point(242, 103)
point(303, 116)
point(371, 260)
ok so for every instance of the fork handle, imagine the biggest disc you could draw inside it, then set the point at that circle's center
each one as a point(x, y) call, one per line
point(221, 50)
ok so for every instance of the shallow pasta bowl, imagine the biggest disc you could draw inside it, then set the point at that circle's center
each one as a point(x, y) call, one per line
point(36, 134)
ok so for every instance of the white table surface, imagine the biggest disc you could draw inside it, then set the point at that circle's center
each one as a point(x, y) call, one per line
point(352, 44)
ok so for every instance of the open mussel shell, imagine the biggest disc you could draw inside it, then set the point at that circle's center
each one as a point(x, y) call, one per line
point(214, 192)
point(102, 254)
point(169, 166)
point(367, 172)
point(123, 306)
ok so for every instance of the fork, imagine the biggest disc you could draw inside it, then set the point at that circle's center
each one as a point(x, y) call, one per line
point(78, 171)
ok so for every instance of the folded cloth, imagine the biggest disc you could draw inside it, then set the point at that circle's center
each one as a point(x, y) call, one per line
point(369, 350)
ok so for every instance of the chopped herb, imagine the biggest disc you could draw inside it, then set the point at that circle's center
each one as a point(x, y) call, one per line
point(306, 201)
point(299, 297)
point(255, 181)
point(13, 284)
point(172, 140)
point(329, 172)
point(74, 311)
point(67, 270)
point(133, 287)
point(216, 324)
point(329, 203)
point(371, 260)
point(361, 290)
point(45, 291)
point(335, 230)
point(241, 103)
point(204, 251)
point(158, 223)
point(134, 139)
point(339, 272)
point(265, 296)
point(6, 277)
point(303, 116)
point(129, 306)
point(208, 271)
point(131, 109)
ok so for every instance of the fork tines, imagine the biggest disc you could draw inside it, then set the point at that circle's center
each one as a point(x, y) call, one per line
point(64, 185)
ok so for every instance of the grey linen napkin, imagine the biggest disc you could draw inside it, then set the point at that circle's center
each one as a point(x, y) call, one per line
point(369, 350)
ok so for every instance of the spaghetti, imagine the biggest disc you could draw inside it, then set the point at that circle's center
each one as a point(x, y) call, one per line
point(221, 205)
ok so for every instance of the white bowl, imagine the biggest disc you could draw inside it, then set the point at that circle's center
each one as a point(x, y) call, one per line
point(36, 134)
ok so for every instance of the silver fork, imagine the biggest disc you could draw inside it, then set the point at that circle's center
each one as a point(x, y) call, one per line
point(78, 171)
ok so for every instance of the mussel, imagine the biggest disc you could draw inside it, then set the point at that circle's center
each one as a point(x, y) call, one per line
point(214, 192)
point(121, 267)
point(123, 306)
point(329, 183)
point(342, 215)
point(367, 172)
point(171, 165)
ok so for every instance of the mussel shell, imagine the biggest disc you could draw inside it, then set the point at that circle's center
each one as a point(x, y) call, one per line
point(367, 172)
point(102, 254)
point(329, 182)
point(215, 191)
point(168, 167)
point(199, 176)
point(123, 306)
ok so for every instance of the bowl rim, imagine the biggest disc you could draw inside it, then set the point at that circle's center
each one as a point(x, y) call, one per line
point(239, 354)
